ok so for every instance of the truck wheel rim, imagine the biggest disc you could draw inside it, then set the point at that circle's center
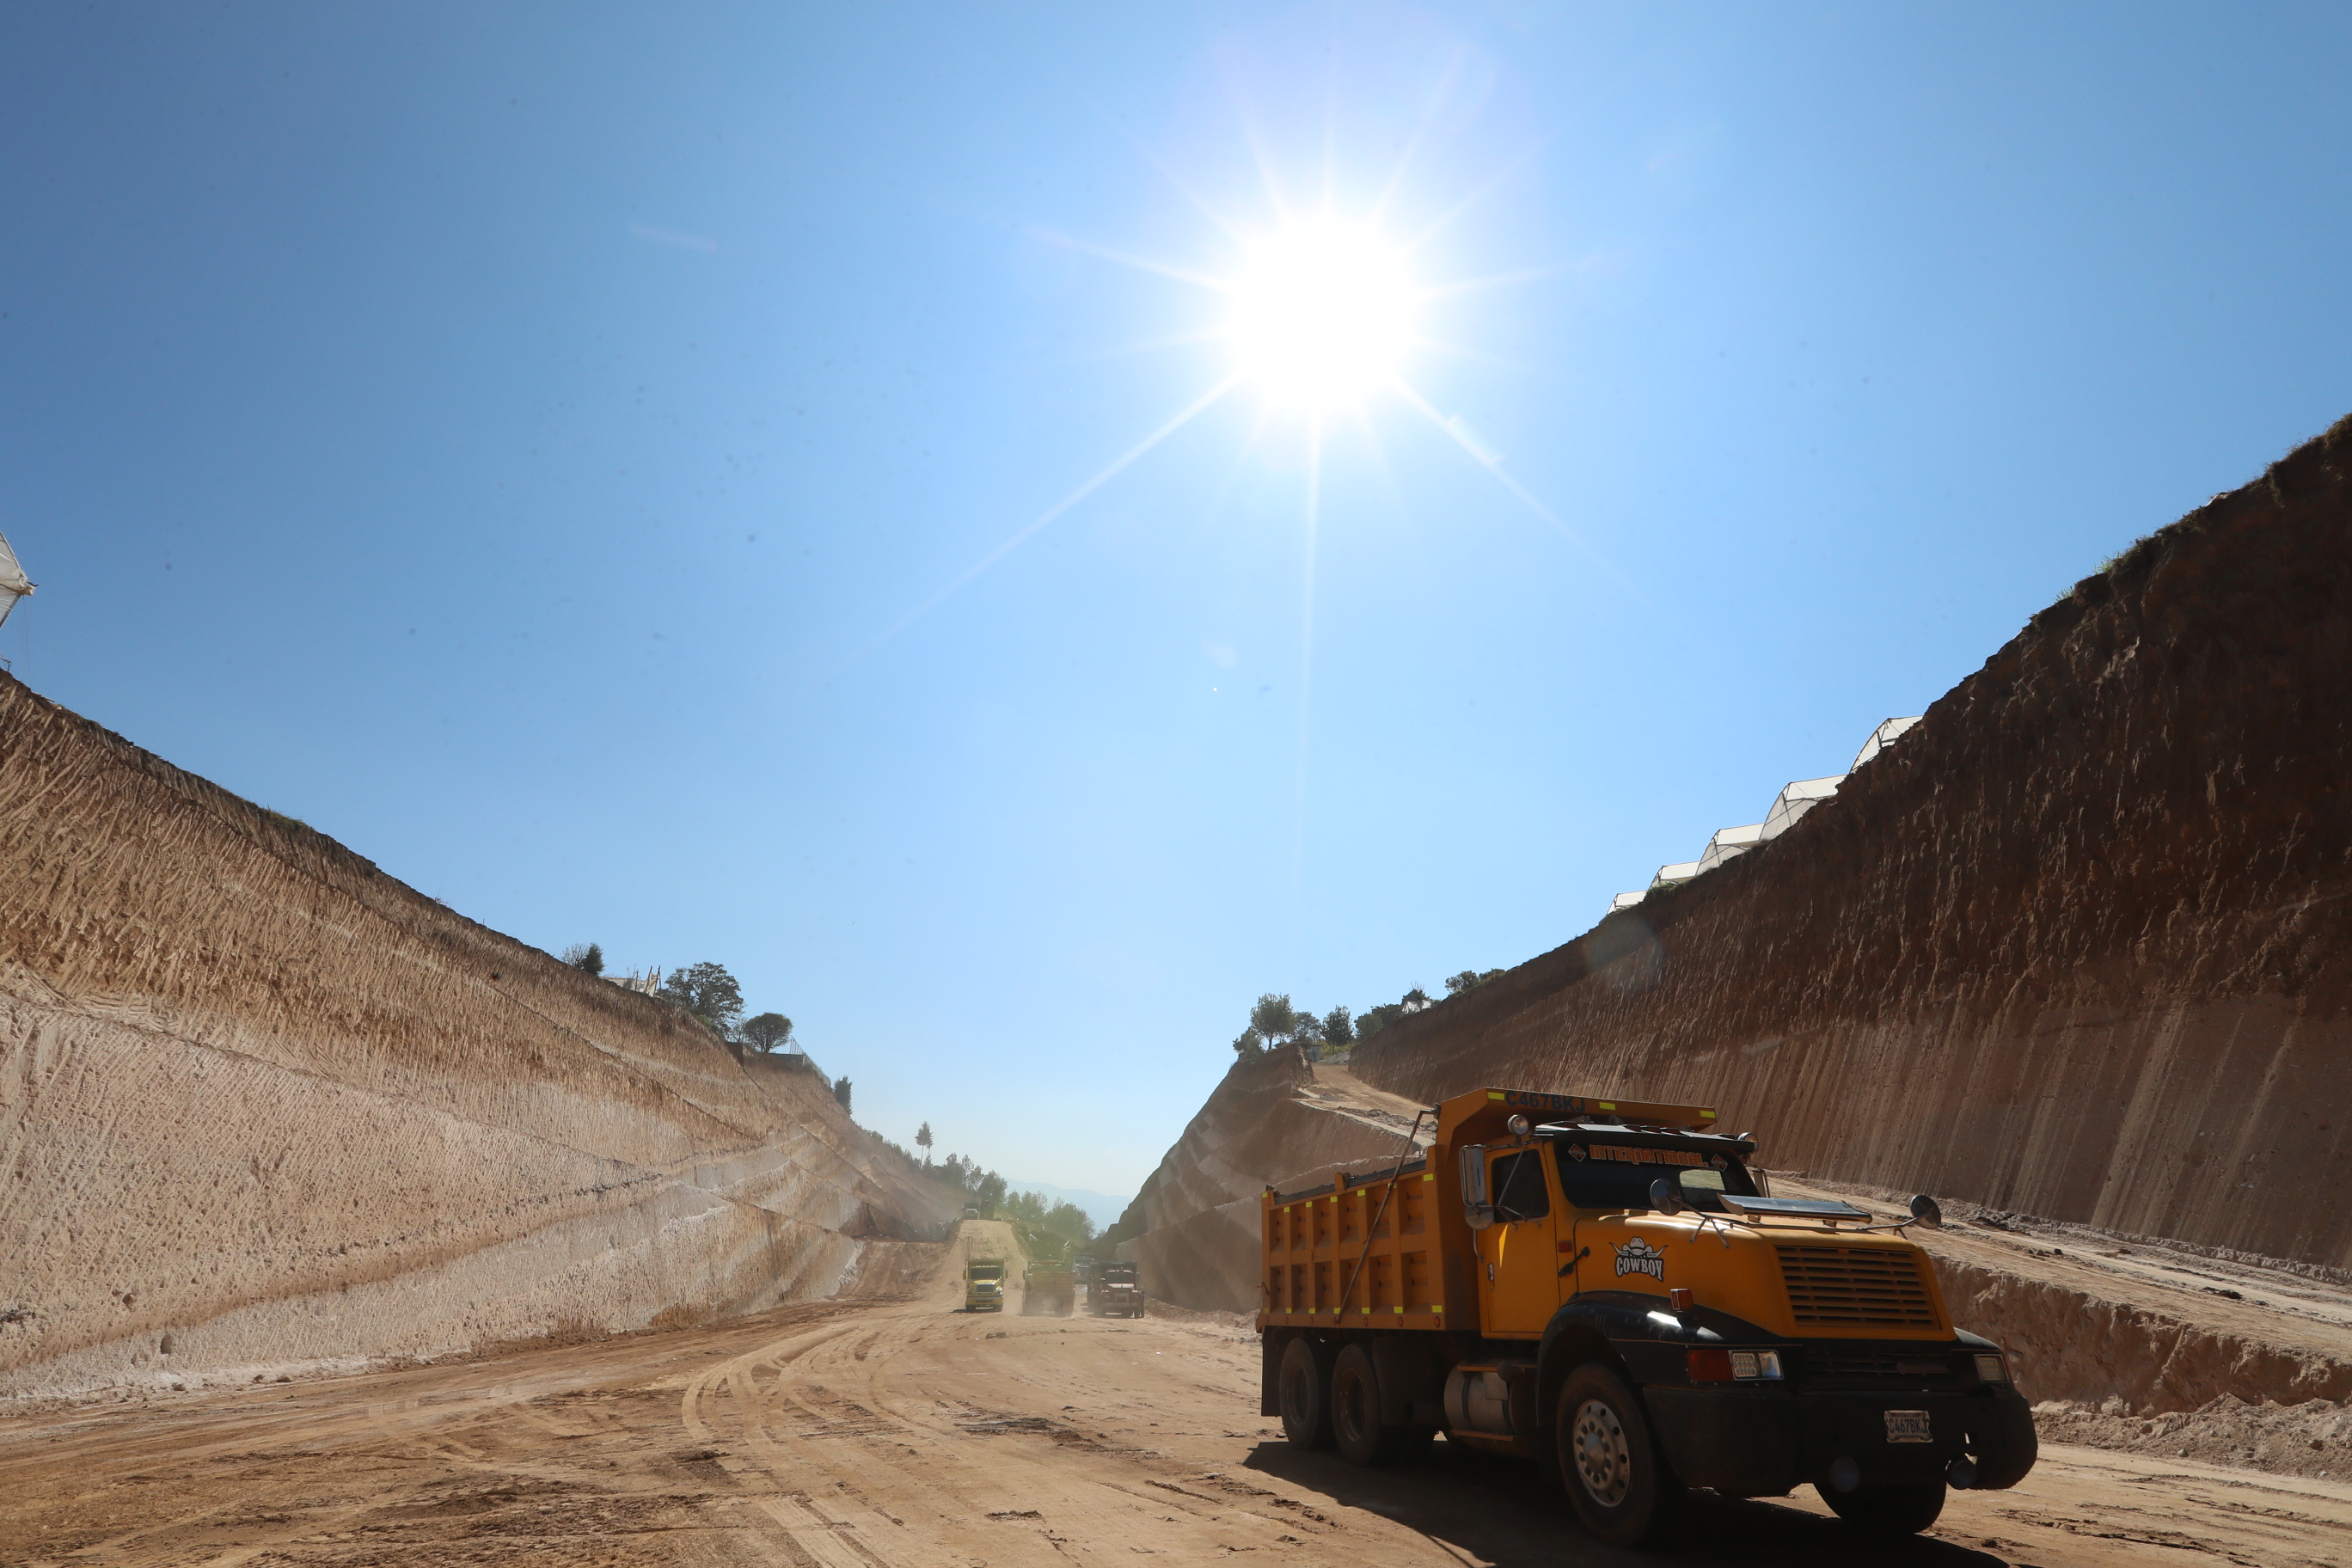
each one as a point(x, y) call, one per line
point(1604, 1460)
point(1348, 1409)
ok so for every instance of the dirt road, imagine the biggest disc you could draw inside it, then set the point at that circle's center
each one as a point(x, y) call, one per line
point(860, 1434)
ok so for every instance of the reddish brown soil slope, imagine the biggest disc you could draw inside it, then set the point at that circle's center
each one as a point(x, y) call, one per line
point(2078, 945)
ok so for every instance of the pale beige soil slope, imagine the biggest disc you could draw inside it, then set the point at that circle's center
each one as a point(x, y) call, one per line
point(1278, 1121)
point(264, 1109)
point(855, 1435)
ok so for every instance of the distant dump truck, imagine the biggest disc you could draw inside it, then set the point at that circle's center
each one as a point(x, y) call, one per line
point(1049, 1287)
point(1115, 1292)
point(1605, 1286)
point(984, 1285)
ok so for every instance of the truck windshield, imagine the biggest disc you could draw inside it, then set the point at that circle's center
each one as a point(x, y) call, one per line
point(988, 1271)
point(1601, 1175)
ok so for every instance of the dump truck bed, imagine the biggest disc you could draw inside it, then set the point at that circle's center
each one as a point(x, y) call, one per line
point(1317, 1267)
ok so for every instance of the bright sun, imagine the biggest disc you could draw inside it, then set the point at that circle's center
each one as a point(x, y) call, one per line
point(1322, 314)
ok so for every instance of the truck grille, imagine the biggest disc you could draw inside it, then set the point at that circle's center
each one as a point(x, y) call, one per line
point(1855, 1285)
point(1874, 1367)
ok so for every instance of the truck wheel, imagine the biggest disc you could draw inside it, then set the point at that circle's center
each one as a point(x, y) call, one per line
point(1611, 1467)
point(1890, 1508)
point(1305, 1387)
point(1356, 1428)
point(1355, 1408)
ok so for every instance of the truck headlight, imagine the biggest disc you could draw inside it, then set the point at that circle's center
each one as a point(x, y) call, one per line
point(1755, 1364)
point(1991, 1368)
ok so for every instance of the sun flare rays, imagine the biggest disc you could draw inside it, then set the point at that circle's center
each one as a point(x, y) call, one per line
point(1322, 312)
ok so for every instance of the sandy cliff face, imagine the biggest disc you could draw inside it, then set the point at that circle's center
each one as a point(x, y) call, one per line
point(2079, 943)
point(1274, 1120)
point(262, 1105)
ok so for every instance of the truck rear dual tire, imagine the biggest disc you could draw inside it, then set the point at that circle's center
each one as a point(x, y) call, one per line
point(1303, 1390)
point(1356, 1428)
point(1621, 1486)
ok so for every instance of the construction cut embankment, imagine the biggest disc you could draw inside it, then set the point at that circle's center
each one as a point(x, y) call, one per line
point(2078, 946)
point(2079, 943)
point(264, 1108)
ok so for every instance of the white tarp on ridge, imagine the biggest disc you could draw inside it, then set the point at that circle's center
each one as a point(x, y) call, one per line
point(1794, 800)
point(1881, 738)
point(14, 583)
point(1730, 842)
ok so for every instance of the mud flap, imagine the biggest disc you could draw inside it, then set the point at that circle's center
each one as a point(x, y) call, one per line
point(1742, 1444)
point(2004, 1442)
point(1410, 1382)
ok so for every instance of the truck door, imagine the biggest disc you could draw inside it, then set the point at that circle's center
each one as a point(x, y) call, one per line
point(1519, 1267)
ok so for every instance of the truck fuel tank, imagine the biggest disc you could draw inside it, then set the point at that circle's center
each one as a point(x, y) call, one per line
point(1479, 1395)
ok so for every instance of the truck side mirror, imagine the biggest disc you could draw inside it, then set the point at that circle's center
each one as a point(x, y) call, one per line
point(1476, 1212)
point(1927, 1212)
point(1666, 1195)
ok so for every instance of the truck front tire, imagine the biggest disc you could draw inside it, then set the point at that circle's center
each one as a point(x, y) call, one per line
point(1610, 1465)
point(1304, 1387)
point(1889, 1508)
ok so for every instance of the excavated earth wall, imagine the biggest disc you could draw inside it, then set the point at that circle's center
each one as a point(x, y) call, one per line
point(2078, 945)
point(1274, 1121)
point(264, 1107)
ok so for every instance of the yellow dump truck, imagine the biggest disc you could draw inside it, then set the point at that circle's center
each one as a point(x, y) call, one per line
point(1049, 1287)
point(984, 1285)
point(1605, 1286)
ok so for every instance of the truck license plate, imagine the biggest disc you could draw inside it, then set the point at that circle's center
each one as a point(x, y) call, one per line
point(1908, 1427)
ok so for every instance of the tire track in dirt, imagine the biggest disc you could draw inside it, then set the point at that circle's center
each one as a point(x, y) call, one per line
point(905, 1432)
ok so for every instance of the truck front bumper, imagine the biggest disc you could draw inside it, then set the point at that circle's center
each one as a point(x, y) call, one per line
point(1763, 1441)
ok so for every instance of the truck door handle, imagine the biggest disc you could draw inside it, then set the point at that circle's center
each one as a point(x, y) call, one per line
point(1567, 1268)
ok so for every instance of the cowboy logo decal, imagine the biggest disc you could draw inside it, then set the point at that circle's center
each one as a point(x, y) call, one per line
point(1638, 1257)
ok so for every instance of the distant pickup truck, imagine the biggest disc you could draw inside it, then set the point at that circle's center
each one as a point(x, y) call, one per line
point(1605, 1286)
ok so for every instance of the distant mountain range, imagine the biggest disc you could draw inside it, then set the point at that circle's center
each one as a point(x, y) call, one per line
point(1101, 1207)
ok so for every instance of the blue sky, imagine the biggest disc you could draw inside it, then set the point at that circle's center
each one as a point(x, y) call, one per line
point(531, 444)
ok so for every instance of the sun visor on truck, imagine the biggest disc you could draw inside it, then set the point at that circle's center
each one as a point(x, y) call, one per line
point(1482, 1113)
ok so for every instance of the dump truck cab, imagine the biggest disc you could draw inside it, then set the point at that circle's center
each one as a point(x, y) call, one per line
point(1608, 1286)
point(984, 1285)
point(1116, 1291)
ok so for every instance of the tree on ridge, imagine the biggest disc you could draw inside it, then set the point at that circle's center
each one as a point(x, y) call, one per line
point(709, 992)
point(768, 1032)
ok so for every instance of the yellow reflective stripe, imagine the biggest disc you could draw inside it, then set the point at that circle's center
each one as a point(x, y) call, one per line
point(1494, 1094)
